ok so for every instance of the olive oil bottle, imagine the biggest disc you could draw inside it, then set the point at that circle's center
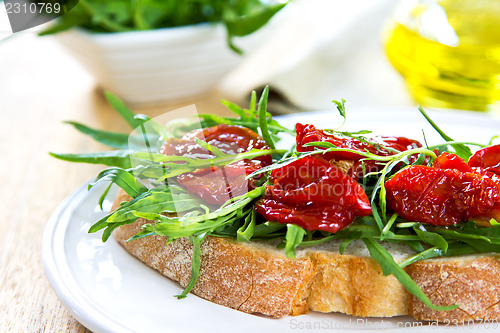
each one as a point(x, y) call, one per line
point(448, 51)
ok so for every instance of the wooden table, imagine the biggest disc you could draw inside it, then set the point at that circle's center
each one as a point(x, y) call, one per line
point(40, 87)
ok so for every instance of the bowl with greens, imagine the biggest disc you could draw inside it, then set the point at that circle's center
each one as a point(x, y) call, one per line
point(150, 51)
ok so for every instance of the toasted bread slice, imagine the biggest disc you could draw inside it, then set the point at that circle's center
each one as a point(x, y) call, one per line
point(255, 277)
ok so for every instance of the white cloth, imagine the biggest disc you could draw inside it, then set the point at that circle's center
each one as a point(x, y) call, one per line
point(319, 50)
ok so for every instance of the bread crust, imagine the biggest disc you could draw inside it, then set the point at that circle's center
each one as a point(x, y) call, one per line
point(470, 281)
point(248, 279)
point(254, 277)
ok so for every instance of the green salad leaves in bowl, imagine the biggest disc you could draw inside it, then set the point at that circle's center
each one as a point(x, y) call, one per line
point(150, 51)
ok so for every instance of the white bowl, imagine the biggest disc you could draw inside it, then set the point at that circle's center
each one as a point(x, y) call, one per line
point(146, 67)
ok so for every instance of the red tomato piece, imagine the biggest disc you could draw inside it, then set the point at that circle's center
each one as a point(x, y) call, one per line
point(451, 161)
point(308, 133)
point(442, 196)
point(219, 184)
point(487, 158)
point(230, 139)
point(314, 194)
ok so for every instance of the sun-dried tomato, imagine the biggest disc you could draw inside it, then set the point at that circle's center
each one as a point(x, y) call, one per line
point(230, 139)
point(487, 158)
point(308, 134)
point(220, 184)
point(217, 185)
point(443, 196)
point(451, 161)
point(314, 194)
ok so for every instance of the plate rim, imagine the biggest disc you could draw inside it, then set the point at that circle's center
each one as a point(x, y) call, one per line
point(55, 273)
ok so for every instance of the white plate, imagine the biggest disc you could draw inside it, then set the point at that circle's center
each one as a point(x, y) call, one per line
point(108, 290)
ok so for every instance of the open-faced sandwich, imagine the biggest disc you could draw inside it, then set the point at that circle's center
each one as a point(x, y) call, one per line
point(373, 226)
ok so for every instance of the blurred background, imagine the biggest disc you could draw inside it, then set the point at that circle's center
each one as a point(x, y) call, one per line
point(310, 52)
point(160, 55)
point(435, 53)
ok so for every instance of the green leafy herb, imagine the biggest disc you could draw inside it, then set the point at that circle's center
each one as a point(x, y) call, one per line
point(123, 110)
point(263, 118)
point(117, 158)
point(111, 139)
point(341, 109)
point(196, 241)
point(245, 232)
point(171, 200)
point(431, 238)
point(176, 165)
point(240, 17)
point(389, 266)
point(422, 255)
point(247, 117)
point(461, 150)
point(344, 245)
point(125, 180)
point(238, 25)
point(294, 236)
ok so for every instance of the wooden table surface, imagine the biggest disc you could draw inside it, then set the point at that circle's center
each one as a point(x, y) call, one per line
point(40, 87)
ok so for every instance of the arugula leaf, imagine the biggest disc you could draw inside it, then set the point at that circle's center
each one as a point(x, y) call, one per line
point(99, 225)
point(253, 102)
point(263, 118)
point(245, 232)
point(196, 241)
point(344, 245)
point(389, 266)
point(242, 25)
point(248, 118)
point(460, 149)
point(111, 139)
point(155, 201)
point(117, 158)
point(175, 165)
point(194, 222)
point(425, 254)
point(175, 227)
point(123, 110)
point(481, 246)
point(103, 196)
point(267, 230)
point(415, 245)
point(432, 238)
point(457, 235)
point(341, 109)
point(110, 227)
point(123, 179)
point(388, 226)
point(294, 236)
point(459, 248)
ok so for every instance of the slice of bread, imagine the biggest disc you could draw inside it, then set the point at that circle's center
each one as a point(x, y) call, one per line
point(255, 277)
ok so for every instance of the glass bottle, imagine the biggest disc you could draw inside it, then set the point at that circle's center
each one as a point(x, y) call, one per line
point(448, 51)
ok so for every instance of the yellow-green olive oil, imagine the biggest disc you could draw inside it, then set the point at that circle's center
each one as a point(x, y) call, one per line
point(449, 52)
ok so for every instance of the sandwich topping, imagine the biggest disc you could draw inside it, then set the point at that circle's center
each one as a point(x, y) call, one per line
point(448, 192)
point(349, 146)
point(216, 185)
point(228, 179)
point(313, 194)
